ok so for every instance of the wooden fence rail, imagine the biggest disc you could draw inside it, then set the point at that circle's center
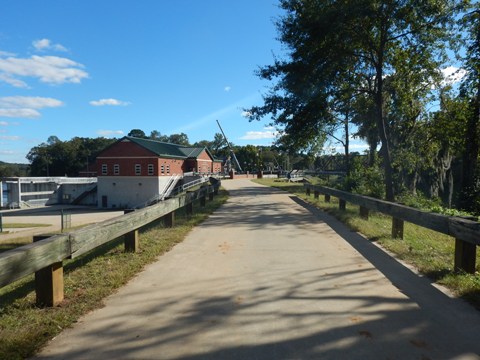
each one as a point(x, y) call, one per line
point(43, 257)
point(466, 232)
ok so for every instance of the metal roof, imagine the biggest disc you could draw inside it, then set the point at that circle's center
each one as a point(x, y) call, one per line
point(167, 149)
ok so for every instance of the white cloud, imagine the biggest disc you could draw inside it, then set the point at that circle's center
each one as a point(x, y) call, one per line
point(227, 88)
point(109, 132)
point(6, 152)
point(6, 54)
point(453, 75)
point(109, 102)
point(4, 123)
point(33, 102)
point(12, 81)
point(46, 44)
point(19, 113)
point(10, 138)
point(268, 133)
point(48, 69)
point(25, 106)
point(231, 109)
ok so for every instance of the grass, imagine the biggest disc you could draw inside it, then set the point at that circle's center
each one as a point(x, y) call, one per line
point(430, 252)
point(25, 328)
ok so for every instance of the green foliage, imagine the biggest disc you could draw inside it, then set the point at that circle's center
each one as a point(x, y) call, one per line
point(375, 62)
point(16, 170)
point(138, 133)
point(65, 158)
point(365, 180)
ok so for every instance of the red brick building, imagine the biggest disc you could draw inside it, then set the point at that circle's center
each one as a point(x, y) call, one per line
point(133, 170)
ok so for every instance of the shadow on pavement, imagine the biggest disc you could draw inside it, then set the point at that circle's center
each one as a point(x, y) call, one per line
point(281, 303)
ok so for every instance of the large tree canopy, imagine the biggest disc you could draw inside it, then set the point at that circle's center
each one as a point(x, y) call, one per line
point(388, 51)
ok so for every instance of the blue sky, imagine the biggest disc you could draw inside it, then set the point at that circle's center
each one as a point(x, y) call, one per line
point(101, 68)
point(94, 68)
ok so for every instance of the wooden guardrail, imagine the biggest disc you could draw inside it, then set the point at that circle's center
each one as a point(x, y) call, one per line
point(466, 232)
point(45, 257)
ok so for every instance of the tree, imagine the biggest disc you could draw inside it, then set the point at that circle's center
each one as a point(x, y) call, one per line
point(137, 133)
point(352, 47)
point(60, 158)
point(179, 139)
point(156, 135)
point(218, 142)
point(471, 91)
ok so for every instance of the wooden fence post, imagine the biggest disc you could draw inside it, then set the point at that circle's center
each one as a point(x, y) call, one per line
point(210, 196)
point(397, 228)
point(49, 282)
point(308, 191)
point(189, 208)
point(327, 198)
point(364, 212)
point(342, 204)
point(169, 220)
point(465, 256)
point(131, 241)
point(203, 200)
point(316, 194)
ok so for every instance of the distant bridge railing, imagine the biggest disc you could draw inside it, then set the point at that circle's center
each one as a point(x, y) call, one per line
point(466, 232)
point(45, 257)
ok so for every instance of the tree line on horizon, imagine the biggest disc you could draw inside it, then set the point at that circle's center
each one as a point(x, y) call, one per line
point(71, 157)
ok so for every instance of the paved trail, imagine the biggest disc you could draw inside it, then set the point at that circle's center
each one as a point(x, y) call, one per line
point(266, 277)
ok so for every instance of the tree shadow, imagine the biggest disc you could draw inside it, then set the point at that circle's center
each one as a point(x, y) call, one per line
point(297, 304)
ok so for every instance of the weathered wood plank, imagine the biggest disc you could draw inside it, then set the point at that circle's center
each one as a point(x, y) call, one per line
point(27, 259)
point(467, 230)
point(429, 220)
point(90, 237)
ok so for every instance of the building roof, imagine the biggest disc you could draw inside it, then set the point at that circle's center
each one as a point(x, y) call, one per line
point(168, 150)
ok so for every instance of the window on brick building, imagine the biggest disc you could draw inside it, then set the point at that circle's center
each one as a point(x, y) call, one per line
point(116, 169)
point(150, 169)
point(138, 169)
point(162, 169)
point(168, 169)
point(104, 169)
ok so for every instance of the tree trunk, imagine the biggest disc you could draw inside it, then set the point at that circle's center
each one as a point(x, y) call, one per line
point(382, 130)
point(470, 156)
point(347, 145)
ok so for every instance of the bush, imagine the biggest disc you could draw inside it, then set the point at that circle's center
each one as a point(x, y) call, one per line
point(365, 180)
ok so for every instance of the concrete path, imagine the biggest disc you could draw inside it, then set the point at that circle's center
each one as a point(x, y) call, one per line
point(268, 277)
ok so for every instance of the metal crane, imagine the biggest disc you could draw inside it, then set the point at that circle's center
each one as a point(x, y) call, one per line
point(239, 168)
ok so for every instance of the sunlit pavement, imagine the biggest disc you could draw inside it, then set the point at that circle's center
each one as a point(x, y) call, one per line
point(269, 277)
